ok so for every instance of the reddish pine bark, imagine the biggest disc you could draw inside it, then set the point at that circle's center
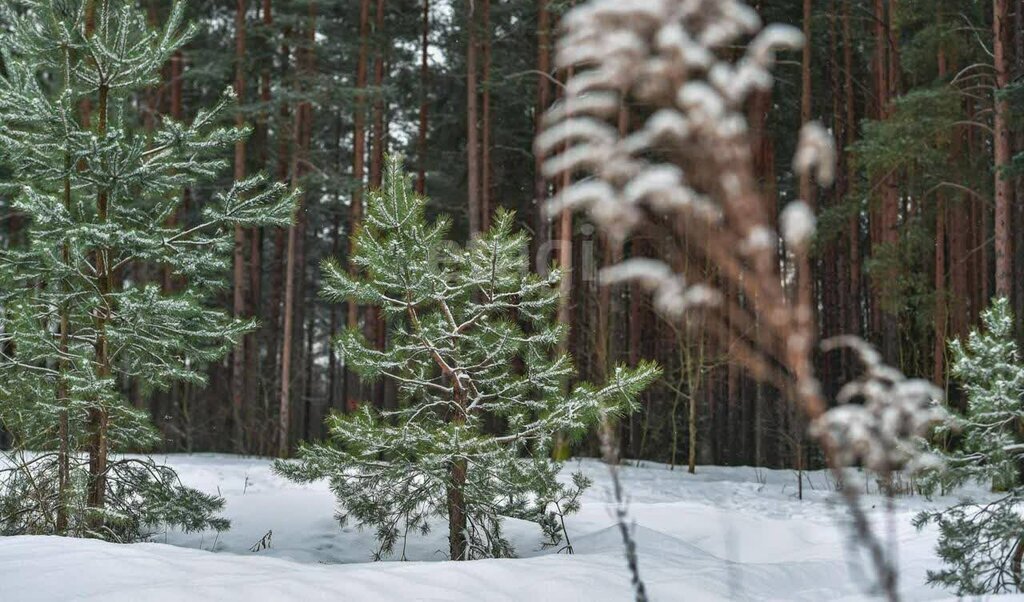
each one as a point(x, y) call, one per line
point(256, 239)
point(1003, 185)
point(564, 248)
point(941, 310)
point(806, 192)
point(853, 227)
point(486, 167)
point(349, 384)
point(884, 221)
point(293, 271)
point(939, 351)
point(276, 283)
point(421, 144)
point(307, 392)
point(980, 226)
point(379, 135)
point(835, 264)
point(99, 416)
point(806, 268)
point(472, 126)
point(958, 269)
point(375, 318)
point(284, 410)
point(876, 214)
point(238, 355)
point(890, 185)
point(1018, 214)
point(542, 226)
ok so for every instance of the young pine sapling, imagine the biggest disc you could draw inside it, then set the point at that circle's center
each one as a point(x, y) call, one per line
point(481, 392)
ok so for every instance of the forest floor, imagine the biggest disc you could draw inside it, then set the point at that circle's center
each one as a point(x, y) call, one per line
point(735, 533)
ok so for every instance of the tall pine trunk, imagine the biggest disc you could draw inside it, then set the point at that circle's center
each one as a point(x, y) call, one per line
point(288, 316)
point(939, 351)
point(421, 140)
point(564, 246)
point(959, 250)
point(806, 192)
point(349, 383)
point(379, 135)
point(981, 225)
point(294, 265)
point(99, 415)
point(884, 221)
point(238, 355)
point(486, 168)
point(275, 298)
point(806, 271)
point(307, 389)
point(941, 311)
point(332, 327)
point(472, 125)
point(890, 184)
point(375, 318)
point(1003, 185)
point(1018, 217)
point(256, 384)
point(853, 226)
point(541, 225)
point(63, 392)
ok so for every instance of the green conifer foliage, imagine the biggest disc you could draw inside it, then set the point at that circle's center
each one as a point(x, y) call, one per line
point(481, 391)
point(78, 325)
point(980, 541)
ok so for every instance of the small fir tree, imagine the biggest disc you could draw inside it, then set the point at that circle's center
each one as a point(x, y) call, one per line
point(79, 324)
point(981, 542)
point(481, 392)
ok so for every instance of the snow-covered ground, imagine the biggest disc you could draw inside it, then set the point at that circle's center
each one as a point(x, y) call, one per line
point(722, 534)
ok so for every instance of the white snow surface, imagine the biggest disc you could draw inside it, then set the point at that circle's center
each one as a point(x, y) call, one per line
point(735, 533)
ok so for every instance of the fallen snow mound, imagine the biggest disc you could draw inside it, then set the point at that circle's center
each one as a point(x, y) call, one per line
point(722, 534)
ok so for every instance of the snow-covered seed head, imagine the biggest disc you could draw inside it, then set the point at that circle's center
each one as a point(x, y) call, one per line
point(772, 38)
point(798, 224)
point(596, 104)
point(659, 181)
point(759, 239)
point(884, 431)
point(648, 273)
point(583, 130)
point(579, 196)
point(669, 126)
point(701, 100)
point(815, 154)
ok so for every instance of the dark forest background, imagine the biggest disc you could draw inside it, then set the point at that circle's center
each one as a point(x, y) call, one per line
point(925, 100)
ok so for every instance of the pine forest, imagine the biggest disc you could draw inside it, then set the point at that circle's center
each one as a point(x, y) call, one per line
point(638, 299)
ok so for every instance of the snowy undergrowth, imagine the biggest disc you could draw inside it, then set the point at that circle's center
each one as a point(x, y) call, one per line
point(722, 534)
